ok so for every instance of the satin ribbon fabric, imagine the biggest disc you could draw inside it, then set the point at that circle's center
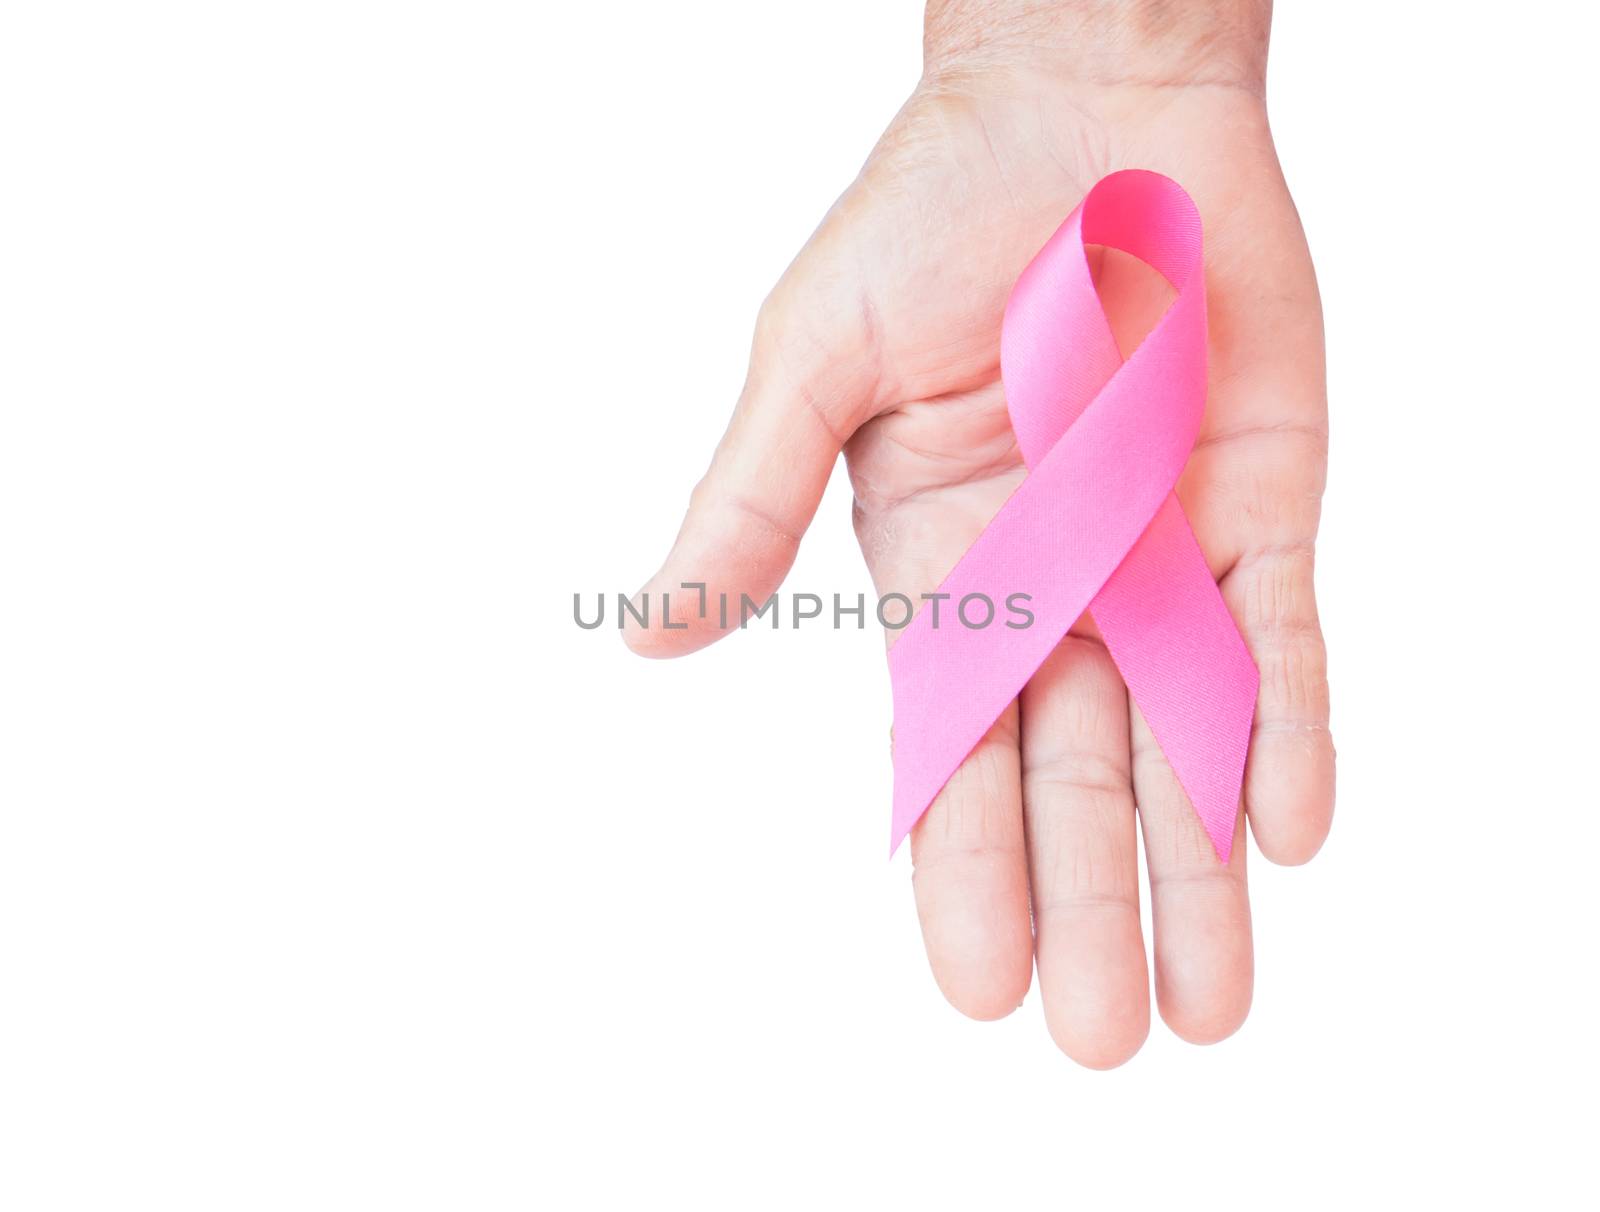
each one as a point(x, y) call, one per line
point(1095, 525)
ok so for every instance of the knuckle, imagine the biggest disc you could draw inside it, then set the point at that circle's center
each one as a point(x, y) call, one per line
point(1294, 677)
point(1273, 590)
point(1272, 499)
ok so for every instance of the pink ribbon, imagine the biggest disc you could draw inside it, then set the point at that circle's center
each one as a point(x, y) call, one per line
point(1095, 525)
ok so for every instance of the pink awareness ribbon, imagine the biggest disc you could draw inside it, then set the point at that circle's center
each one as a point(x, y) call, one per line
point(1094, 525)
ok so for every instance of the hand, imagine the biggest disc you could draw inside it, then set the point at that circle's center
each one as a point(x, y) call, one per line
point(882, 339)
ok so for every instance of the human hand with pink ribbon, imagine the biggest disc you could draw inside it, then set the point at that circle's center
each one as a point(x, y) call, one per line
point(1045, 381)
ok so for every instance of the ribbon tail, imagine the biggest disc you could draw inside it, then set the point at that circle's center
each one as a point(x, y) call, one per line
point(1185, 664)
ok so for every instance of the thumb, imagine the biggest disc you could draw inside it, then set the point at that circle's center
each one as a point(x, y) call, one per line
point(813, 373)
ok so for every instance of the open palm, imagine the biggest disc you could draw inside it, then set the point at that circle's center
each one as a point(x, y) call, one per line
point(883, 340)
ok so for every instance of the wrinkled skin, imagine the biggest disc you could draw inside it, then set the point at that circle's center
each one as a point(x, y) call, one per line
point(882, 339)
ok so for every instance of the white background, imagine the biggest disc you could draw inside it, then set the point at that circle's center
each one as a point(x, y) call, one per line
point(341, 343)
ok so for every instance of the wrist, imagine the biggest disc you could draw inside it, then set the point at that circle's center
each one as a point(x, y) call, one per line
point(1109, 43)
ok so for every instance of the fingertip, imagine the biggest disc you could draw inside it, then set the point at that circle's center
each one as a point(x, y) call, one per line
point(1094, 978)
point(978, 936)
point(652, 643)
point(1289, 795)
point(980, 944)
point(984, 989)
point(648, 644)
point(1295, 849)
point(1206, 1024)
point(644, 639)
point(969, 875)
point(1100, 1037)
point(641, 641)
point(1100, 1054)
point(669, 618)
point(1205, 997)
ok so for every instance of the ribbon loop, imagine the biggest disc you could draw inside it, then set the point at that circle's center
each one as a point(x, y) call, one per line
point(1095, 525)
